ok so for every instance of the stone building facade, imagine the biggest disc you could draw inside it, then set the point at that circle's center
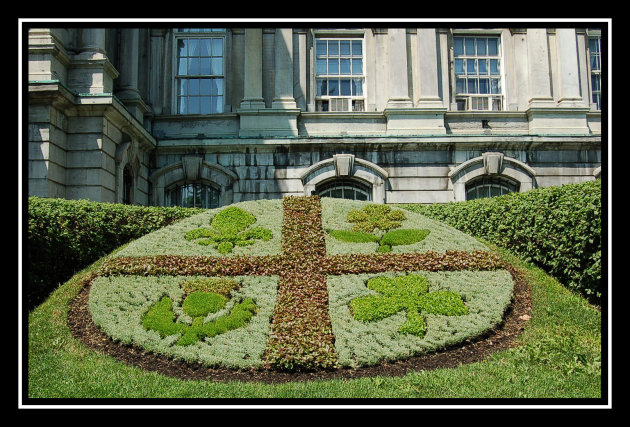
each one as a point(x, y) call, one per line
point(212, 116)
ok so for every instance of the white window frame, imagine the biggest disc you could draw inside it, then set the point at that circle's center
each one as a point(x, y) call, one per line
point(470, 99)
point(594, 34)
point(198, 33)
point(340, 103)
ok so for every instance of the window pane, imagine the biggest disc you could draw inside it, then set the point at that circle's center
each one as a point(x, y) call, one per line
point(483, 66)
point(193, 47)
point(182, 105)
point(193, 86)
point(595, 82)
point(333, 47)
point(345, 87)
point(193, 66)
point(217, 104)
point(357, 87)
point(495, 86)
point(357, 66)
point(216, 66)
point(217, 87)
point(460, 86)
point(484, 86)
point(204, 47)
point(459, 67)
point(183, 87)
point(471, 66)
point(321, 87)
point(182, 67)
point(333, 66)
point(345, 47)
point(193, 105)
point(205, 105)
point(459, 46)
point(481, 46)
point(357, 48)
point(493, 46)
point(321, 66)
point(204, 86)
point(345, 66)
point(333, 87)
point(181, 47)
point(321, 48)
point(470, 46)
point(472, 86)
point(595, 63)
point(205, 66)
point(217, 47)
point(494, 66)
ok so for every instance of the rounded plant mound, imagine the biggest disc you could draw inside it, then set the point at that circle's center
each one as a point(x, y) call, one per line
point(300, 284)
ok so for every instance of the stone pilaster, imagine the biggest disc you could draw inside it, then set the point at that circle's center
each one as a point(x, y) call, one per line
point(252, 96)
point(398, 81)
point(566, 44)
point(283, 76)
point(538, 68)
point(281, 119)
point(402, 117)
point(545, 117)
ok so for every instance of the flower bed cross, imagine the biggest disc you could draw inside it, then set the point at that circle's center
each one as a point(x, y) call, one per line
point(301, 336)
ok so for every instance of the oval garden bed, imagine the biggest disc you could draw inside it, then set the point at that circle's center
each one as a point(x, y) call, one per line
point(300, 288)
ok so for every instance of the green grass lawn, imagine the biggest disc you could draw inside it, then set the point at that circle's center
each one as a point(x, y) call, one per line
point(558, 356)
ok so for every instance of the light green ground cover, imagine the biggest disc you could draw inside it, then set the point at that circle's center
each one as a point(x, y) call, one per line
point(440, 239)
point(118, 305)
point(486, 294)
point(172, 240)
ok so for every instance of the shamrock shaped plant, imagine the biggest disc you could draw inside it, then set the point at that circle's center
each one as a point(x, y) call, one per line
point(406, 293)
point(230, 228)
point(203, 297)
point(378, 223)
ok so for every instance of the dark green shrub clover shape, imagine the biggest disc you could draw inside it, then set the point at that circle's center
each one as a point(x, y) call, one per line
point(411, 294)
point(230, 228)
point(377, 223)
point(198, 304)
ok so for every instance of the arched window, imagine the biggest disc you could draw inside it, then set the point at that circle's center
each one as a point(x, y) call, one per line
point(345, 189)
point(489, 186)
point(193, 195)
point(127, 185)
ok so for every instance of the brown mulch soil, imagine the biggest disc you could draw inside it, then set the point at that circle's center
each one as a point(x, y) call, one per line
point(500, 338)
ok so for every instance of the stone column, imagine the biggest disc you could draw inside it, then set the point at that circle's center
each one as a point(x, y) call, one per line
point(566, 44)
point(128, 79)
point(92, 42)
point(428, 69)
point(252, 91)
point(398, 81)
point(283, 76)
point(538, 67)
point(90, 70)
point(128, 91)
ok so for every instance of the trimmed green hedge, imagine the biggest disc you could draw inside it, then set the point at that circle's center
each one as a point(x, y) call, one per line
point(65, 236)
point(557, 228)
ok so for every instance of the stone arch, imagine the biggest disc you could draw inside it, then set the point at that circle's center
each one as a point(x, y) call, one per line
point(193, 169)
point(346, 166)
point(491, 163)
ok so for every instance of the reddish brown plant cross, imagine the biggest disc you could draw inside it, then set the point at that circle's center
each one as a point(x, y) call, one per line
point(301, 336)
